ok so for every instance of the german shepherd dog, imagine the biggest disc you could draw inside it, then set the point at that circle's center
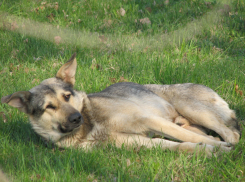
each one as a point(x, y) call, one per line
point(125, 113)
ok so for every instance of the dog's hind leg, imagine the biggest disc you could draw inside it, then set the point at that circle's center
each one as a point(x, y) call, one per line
point(184, 123)
point(161, 126)
point(209, 120)
point(130, 140)
point(201, 106)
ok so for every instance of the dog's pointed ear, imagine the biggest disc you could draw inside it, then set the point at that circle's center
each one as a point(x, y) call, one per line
point(19, 100)
point(68, 70)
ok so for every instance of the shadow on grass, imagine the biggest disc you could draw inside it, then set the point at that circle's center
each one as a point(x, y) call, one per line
point(20, 132)
point(22, 48)
point(23, 153)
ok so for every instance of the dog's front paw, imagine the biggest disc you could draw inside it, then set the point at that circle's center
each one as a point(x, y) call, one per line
point(200, 148)
point(215, 150)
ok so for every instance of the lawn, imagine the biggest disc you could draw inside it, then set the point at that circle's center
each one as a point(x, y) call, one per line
point(148, 41)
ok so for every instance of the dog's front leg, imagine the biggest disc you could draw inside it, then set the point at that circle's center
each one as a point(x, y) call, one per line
point(131, 140)
point(84, 144)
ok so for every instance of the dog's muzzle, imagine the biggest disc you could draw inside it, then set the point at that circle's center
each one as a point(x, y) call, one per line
point(75, 118)
point(74, 121)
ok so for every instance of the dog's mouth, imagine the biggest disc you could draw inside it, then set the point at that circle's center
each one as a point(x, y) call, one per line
point(69, 128)
point(73, 121)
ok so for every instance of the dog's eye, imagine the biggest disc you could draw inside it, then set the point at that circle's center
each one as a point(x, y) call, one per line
point(50, 107)
point(67, 97)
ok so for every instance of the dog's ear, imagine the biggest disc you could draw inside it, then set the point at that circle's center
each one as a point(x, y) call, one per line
point(19, 100)
point(68, 70)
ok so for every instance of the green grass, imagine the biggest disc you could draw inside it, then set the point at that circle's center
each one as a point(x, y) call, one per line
point(187, 41)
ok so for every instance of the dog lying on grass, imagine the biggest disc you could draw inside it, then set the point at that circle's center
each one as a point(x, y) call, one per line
point(125, 113)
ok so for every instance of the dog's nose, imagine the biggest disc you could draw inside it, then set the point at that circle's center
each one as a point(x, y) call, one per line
point(75, 118)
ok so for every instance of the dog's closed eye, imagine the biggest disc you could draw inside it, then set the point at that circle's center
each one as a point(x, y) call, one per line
point(50, 106)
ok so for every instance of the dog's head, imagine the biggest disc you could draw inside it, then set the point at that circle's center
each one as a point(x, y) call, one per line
point(53, 106)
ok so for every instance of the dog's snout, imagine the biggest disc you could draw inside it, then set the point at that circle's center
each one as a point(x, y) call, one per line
point(73, 121)
point(75, 118)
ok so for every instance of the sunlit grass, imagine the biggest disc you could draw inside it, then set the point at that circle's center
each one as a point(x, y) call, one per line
point(125, 40)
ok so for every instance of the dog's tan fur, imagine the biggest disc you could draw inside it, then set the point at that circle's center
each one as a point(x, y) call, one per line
point(3, 177)
point(125, 113)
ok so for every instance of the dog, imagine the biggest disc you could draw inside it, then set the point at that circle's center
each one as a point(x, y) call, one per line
point(127, 114)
